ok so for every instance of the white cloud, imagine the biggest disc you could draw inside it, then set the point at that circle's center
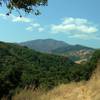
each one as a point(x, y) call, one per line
point(2, 15)
point(32, 25)
point(74, 24)
point(29, 28)
point(35, 26)
point(40, 29)
point(77, 21)
point(75, 27)
point(20, 19)
point(14, 18)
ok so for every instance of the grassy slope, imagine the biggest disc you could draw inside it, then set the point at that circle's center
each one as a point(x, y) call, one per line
point(89, 90)
point(77, 91)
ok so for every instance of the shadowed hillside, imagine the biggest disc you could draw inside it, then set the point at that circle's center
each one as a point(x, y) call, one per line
point(89, 90)
point(84, 90)
point(21, 67)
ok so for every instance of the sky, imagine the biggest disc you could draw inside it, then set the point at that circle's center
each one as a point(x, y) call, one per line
point(72, 21)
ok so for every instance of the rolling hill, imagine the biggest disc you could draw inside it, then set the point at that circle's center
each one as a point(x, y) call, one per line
point(74, 52)
point(84, 90)
point(21, 67)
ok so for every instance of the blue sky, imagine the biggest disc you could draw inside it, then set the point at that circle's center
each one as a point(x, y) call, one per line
point(72, 21)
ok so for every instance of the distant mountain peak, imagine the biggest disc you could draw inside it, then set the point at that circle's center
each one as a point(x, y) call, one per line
point(75, 52)
point(44, 45)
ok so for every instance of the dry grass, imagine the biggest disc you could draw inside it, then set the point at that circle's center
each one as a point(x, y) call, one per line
point(74, 91)
point(28, 95)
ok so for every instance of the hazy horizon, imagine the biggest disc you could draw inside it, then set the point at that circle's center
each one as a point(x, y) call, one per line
point(50, 39)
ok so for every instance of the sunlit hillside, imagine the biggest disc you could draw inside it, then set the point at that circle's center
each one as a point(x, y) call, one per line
point(77, 91)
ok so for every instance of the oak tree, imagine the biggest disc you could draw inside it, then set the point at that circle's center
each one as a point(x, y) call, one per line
point(28, 6)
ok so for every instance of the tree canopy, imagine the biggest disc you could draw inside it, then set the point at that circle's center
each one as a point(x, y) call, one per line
point(28, 6)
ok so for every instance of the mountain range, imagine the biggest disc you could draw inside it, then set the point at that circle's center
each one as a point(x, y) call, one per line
point(74, 52)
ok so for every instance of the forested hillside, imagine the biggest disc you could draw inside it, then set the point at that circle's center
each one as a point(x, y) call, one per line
point(22, 67)
point(83, 90)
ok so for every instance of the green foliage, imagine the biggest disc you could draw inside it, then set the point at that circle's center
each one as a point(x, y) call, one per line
point(21, 67)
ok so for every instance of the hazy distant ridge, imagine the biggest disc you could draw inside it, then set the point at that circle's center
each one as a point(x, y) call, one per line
point(74, 52)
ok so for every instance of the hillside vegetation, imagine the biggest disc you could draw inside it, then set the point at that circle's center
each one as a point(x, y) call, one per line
point(89, 90)
point(21, 67)
point(84, 90)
